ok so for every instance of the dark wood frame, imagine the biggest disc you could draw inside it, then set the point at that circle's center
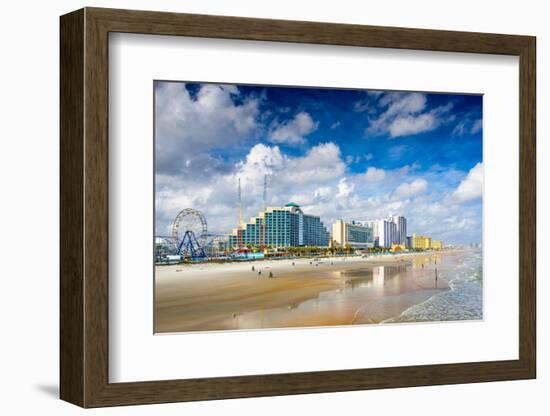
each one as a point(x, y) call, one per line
point(84, 207)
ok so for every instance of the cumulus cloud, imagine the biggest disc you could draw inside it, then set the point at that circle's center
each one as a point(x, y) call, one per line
point(345, 188)
point(293, 132)
point(261, 160)
point(306, 179)
point(386, 177)
point(403, 103)
point(406, 114)
point(412, 124)
point(471, 188)
point(187, 125)
point(321, 163)
point(208, 137)
point(319, 182)
point(374, 174)
point(409, 189)
point(322, 192)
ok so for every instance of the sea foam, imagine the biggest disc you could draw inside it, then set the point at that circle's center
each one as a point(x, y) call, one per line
point(464, 300)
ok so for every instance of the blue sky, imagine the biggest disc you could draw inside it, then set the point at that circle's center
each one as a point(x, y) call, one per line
point(351, 154)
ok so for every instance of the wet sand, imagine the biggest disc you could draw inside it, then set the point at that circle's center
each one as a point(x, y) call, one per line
point(213, 297)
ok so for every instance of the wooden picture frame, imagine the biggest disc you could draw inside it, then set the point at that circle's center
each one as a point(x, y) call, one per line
point(84, 207)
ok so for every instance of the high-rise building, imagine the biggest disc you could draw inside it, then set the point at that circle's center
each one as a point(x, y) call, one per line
point(373, 225)
point(353, 233)
point(401, 229)
point(281, 227)
point(386, 233)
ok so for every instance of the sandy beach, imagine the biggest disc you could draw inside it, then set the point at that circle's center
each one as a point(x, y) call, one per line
point(301, 293)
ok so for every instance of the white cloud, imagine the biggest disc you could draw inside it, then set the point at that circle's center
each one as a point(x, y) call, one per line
point(331, 193)
point(471, 188)
point(292, 132)
point(468, 125)
point(318, 179)
point(321, 163)
point(476, 126)
point(261, 160)
point(187, 125)
point(374, 174)
point(403, 126)
point(345, 188)
point(405, 115)
point(335, 125)
point(368, 103)
point(405, 170)
point(409, 189)
point(350, 159)
point(322, 192)
point(460, 129)
point(403, 103)
point(319, 182)
point(309, 179)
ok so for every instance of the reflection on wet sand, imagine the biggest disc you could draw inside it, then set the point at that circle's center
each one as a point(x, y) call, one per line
point(300, 294)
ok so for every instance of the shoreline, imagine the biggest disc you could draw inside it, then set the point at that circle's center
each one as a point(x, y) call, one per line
point(385, 258)
point(384, 255)
point(325, 291)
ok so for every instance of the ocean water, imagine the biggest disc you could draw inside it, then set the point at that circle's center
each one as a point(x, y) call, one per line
point(464, 300)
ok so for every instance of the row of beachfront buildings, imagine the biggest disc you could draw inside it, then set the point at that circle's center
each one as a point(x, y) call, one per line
point(389, 232)
point(289, 226)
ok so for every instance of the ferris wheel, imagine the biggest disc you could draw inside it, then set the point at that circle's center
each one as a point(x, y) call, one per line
point(191, 222)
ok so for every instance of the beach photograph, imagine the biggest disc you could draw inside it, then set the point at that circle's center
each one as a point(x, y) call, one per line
point(299, 207)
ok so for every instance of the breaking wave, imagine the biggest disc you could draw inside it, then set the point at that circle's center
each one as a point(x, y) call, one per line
point(464, 300)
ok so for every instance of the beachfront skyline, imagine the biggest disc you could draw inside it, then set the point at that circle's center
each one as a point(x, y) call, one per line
point(349, 154)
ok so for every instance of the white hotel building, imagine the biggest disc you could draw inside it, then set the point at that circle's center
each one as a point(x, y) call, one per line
point(352, 233)
point(385, 232)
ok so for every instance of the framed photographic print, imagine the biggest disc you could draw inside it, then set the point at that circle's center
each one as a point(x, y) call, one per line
point(256, 207)
point(316, 171)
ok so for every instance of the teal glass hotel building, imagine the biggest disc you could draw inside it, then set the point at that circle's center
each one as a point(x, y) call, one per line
point(284, 226)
